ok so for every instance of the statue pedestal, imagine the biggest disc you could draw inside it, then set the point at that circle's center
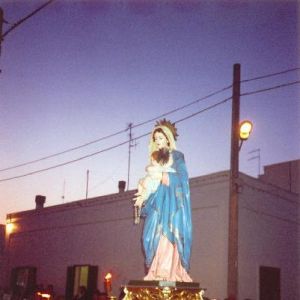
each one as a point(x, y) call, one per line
point(157, 290)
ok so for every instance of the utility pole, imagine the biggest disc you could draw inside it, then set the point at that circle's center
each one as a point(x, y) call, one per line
point(232, 274)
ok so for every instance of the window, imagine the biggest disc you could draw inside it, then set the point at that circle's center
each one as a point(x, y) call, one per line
point(80, 277)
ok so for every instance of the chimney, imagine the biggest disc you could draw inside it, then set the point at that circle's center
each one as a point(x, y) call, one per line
point(39, 201)
point(122, 185)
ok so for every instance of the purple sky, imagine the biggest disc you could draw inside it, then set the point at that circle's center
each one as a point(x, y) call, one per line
point(80, 70)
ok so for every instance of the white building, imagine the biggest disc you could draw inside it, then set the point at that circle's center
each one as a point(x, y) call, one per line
point(100, 233)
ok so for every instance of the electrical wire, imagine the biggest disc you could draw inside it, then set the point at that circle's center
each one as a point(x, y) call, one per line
point(162, 115)
point(203, 110)
point(184, 106)
point(110, 148)
point(65, 163)
point(270, 75)
point(116, 133)
point(142, 123)
point(26, 18)
point(63, 152)
point(270, 88)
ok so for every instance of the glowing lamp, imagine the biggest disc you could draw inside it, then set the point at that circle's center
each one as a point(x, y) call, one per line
point(9, 228)
point(44, 295)
point(245, 130)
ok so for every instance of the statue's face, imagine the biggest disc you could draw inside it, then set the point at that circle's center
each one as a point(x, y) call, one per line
point(160, 140)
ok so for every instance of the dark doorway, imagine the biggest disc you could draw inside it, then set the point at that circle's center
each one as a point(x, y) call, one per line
point(269, 283)
point(23, 282)
point(81, 275)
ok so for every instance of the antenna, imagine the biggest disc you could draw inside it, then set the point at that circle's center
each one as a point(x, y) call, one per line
point(87, 183)
point(130, 145)
point(256, 153)
point(63, 192)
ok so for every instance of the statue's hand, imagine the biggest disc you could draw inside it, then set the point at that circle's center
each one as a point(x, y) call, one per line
point(139, 200)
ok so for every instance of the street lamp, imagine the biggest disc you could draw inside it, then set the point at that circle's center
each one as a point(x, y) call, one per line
point(9, 227)
point(245, 131)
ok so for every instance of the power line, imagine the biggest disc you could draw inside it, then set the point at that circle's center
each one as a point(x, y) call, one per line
point(270, 75)
point(116, 133)
point(271, 88)
point(160, 116)
point(65, 151)
point(112, 147)
point(14, 26)
point(184, 106)
point(137, 125)
point(65, 163)
point(203, 110)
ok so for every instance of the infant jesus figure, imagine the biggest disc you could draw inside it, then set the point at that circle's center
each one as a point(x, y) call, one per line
point(154, 173)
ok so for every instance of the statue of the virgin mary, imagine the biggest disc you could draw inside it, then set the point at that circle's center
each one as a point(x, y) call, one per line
point(164, 198)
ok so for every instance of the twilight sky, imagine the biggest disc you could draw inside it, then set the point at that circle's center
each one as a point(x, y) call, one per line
point(81, 70)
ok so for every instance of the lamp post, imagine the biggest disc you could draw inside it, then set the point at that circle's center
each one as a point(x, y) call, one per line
point(232, 271)
point(239, 133)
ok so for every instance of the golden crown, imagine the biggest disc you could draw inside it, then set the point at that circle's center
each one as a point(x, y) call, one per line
point(169, 125)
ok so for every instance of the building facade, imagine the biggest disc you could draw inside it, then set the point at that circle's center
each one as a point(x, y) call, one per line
point(79, 242)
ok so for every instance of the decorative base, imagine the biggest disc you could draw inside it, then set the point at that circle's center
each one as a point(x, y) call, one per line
point(157, 290)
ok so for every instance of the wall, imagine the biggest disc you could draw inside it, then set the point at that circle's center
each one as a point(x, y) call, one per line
point(285, 175)
point(96, 232)
point(268, 229)
point(210, 235)
point(2, 244)
point(100, 231)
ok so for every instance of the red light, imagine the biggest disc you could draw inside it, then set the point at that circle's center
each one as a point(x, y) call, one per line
point(44, 295)
point(107, 283)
